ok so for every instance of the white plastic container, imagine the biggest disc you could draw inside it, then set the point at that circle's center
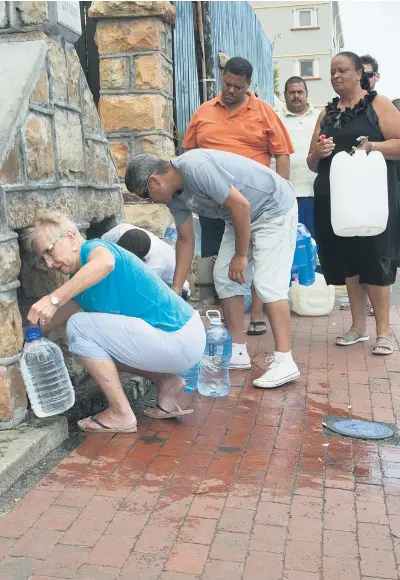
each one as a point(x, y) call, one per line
point(315, 300)
point(359, 194)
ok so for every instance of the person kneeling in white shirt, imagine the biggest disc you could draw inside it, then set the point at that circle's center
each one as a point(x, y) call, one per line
point(157, 254)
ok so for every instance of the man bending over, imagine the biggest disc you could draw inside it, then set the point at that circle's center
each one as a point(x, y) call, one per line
point(260, 211)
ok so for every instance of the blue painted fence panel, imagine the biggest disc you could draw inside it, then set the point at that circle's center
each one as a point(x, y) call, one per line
point(187, 97)
point(236, 31)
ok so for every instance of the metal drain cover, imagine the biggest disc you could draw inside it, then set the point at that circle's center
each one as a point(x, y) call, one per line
point(359, 429)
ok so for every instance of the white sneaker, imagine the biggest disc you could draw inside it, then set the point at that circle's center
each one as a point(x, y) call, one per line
point(282, 370)
point(240, 358)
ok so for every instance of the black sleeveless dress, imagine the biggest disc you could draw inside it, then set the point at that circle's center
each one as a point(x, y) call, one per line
point(372, 257)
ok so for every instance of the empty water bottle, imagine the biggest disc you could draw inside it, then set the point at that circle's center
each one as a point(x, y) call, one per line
point(214, 378)
point(45, 375)
point(191, 377)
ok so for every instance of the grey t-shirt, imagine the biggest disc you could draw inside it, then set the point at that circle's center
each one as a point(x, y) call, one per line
point(208, 176)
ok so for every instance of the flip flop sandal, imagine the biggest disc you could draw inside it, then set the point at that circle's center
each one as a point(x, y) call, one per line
point(350, 339)
point(167, 414)
point(383, 342)
point(103, 428)
point(257, 332)
point(370, 311)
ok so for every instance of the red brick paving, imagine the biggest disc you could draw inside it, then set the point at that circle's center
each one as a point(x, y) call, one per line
point(247, 488)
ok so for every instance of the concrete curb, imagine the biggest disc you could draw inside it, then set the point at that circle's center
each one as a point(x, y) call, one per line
point(23, 447)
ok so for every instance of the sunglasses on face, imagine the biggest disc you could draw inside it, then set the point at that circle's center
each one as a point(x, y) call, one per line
point(145, 194)
point(370, 74)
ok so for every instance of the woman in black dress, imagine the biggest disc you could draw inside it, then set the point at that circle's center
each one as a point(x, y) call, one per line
point(364, 264)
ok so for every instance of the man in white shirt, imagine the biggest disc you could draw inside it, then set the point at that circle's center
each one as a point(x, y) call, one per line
point(157, 254)
point(299, 118)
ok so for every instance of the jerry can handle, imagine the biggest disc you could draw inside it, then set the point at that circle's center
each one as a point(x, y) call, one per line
point(217, 312)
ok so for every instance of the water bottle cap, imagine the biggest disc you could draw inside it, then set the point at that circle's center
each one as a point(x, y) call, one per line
point(34, 333)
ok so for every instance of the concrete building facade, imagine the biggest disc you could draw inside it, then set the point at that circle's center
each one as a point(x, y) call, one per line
point(304, 36)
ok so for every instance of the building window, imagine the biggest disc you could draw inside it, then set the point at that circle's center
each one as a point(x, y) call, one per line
point(305, 18)
point(306, 68)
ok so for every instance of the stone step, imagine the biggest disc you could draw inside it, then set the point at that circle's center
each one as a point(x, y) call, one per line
point(21, 448)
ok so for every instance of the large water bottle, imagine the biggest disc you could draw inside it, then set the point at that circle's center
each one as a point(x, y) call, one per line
point(191, 377)
point(45, 375)
point(214, 378)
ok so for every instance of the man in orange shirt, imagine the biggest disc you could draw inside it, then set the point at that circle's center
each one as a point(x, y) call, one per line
point(238, 122)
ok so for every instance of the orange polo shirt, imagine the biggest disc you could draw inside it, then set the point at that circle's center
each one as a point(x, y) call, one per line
point(254, 130)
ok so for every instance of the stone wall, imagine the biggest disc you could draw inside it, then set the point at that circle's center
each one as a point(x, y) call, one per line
point(53, 154)
point(134, 40)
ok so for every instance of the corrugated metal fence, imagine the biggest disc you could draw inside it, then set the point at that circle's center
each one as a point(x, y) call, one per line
point(235, 31)
point(187, 97)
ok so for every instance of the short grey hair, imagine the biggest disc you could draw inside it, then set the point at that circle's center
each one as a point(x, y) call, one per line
point(140, 168)
point(55, 225)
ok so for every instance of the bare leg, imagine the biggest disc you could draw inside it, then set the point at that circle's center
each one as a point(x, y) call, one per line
point(169, 387)
point(256, 306)
point(367, 300)
point(380, 300)
point(256, 314)
point(357, 297)
point(279, 319)
point(119, 413)
point(234, 314)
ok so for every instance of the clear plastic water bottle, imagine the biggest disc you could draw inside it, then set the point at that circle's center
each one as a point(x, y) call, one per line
point(191, 377)
point(45, 375)
point(214, 380)
point(170, 235)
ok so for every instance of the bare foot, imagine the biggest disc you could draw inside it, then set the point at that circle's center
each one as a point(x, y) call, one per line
point(110, 420)
point(169, 391)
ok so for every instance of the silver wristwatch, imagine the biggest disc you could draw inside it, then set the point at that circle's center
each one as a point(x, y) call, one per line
point(54, 300)
point(372, 146)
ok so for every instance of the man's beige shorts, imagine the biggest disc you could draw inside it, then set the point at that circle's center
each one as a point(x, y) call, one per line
point(271, 251)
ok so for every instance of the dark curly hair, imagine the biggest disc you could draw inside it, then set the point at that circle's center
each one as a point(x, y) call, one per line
point(358, 65)
point(368, 59)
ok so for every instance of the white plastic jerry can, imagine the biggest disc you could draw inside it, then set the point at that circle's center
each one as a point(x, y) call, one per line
point(359, 194)
point(315, 300)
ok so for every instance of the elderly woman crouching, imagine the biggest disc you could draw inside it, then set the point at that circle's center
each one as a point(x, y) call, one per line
point(121, 317)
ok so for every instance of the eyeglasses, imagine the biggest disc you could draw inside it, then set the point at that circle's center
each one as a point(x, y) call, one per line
point(370, 74)
point(145, 194)
point(48, 254)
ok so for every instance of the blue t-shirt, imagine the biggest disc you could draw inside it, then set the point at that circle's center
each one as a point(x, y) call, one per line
point(132, 289)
